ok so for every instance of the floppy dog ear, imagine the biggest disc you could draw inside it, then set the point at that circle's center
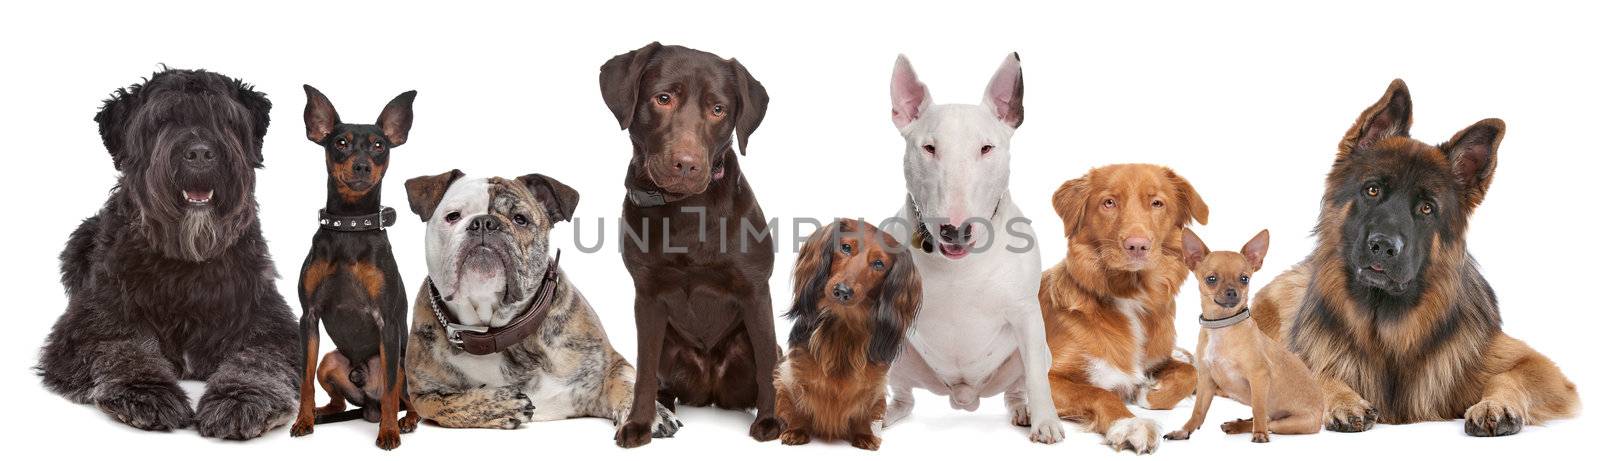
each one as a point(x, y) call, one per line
point(898, 302)
point(260, 109)
point(619, 81)
point(113, 121)
point(395, 121)
point(1070, 201)
point(1003, 97)
point(425, 192)
point(1390, 116)
point(752, 104)
point(320, 115)
point(1190, 205)
point(1472, 155)
point(811, 274)
point(1194, 250)
point(558, 199)
point(908, 97)
point(1255, 250)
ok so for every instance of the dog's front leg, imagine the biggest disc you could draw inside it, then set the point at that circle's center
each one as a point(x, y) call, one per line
point(650, 317)
point(1029, 328)
point(1524, 387)
point(254, 390)
point(310, 338)
point(758, 325)
point(121, 372)
point(504, 407)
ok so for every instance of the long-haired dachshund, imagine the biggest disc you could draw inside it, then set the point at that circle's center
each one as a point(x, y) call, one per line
point(855, 293)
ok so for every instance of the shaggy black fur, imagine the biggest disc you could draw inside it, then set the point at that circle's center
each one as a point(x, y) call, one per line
point(162, 286)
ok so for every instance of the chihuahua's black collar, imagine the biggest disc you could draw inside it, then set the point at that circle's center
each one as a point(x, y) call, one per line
point(375, 221)
point(1242, 315)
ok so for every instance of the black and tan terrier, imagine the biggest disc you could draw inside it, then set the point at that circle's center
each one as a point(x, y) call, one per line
point(350, 280)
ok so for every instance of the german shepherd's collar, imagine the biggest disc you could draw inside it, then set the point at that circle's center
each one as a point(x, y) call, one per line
point(483, 340)
point(1242, 315)
point(373, 221)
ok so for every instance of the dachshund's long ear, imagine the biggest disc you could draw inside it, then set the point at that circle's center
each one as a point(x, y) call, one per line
point(898, 302)
point(811, 274)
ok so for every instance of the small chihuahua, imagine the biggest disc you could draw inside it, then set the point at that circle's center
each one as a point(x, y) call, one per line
point(1235, 359)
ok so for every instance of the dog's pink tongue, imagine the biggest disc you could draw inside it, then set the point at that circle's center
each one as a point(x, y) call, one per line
point(953, 251)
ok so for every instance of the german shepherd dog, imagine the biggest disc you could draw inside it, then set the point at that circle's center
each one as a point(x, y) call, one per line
point(1390, 310)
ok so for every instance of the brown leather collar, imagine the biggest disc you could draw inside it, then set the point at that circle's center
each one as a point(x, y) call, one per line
point(482, 340)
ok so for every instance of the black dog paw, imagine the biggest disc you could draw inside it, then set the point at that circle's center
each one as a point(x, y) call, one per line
point(766, 428)
point(1492, 419)
point(633, 434)
point(1357, 416)
point(241, 415)
point(148, 406)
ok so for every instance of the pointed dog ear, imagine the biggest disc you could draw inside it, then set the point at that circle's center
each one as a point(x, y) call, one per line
point(1003, 97)
point(113, 121)
point(1070, 201)
point(752, 104)
point(558, 199)
point(1390, 116)
point(1473, 154)
point(619, 81)
point(395, 121)
point(320, 115)
point(260, 109)
point(898, 302)
point(1190, 205)
point(811, 274)
point(425, 192)
point(908, 97)
point(1194, 250)
point(1255, 250)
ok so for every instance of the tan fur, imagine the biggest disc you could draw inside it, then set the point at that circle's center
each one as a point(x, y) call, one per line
point(1082, 323)
point(1239, 361)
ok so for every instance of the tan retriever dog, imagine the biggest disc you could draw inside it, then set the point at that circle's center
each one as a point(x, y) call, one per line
point(1235, 359)
point(1108, 307)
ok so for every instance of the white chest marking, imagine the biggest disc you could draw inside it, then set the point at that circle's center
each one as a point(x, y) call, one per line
point(1105, 375)
point(480, 369)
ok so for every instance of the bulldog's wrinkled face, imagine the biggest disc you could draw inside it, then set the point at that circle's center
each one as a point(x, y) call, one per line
point(487, 247)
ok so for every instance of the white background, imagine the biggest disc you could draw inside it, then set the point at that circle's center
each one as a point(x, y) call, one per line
point(1247, 101)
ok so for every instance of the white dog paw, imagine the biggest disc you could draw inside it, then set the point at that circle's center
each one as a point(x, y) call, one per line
point(1182, 355)
point(898, 411)
point(1137, 435)
point(1047, 431)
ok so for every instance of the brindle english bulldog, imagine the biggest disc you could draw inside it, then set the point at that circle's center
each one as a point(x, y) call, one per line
point(500, 336)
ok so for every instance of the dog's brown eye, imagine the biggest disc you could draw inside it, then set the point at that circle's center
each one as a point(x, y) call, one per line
point(520, 220)
point(1109, 203)
point(1427, 208)
point(929, 149)
point(717, 110)
point(1373, 191)
point(844, 248)
point(341, 143)
point(1245, 279)
point(663, 99)
point(985, 150)
point(452, 217)
point(1157, 204)
point(377, 146)
point(1211, 280)
point(877, 264)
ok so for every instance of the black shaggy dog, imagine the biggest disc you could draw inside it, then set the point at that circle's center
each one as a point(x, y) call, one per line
point(171, 279)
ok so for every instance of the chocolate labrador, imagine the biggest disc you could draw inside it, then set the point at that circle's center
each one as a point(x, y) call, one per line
point(695, 239)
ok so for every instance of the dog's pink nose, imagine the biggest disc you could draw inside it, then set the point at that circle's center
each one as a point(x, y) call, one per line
point(1137, 247)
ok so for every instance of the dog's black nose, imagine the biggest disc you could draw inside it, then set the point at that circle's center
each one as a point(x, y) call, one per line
point(362, 169)
point(950, 234)
point(1229, 298)
point(842, 292)
point(1384, 247)
point(199, 157)
point(483, 225)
